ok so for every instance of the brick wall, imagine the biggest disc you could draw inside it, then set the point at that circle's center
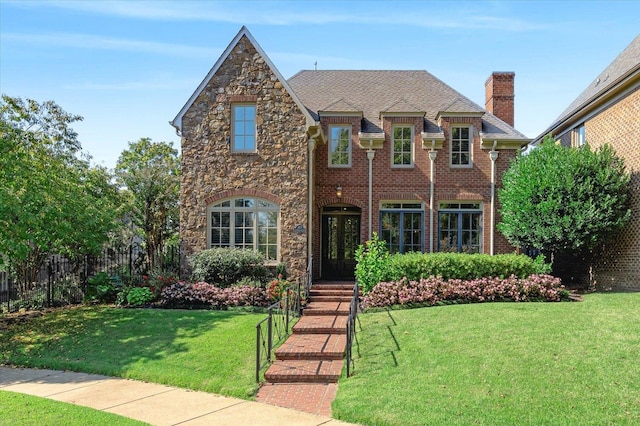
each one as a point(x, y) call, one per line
point(464, 184)
point(277, 172)
point(619, 125)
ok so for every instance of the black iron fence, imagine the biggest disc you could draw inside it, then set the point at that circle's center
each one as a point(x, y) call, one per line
point(351, 327)
point(62, 280)
point(274, 329)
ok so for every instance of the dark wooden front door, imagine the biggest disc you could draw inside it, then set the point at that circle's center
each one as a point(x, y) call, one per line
point(340, 238)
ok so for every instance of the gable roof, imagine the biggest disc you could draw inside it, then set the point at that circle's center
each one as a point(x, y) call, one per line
point(380, 91)
point(244, 32)
point(624, 66)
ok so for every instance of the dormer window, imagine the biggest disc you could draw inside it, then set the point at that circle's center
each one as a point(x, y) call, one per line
point(340, 146)
point(243, 121)
point(461, 146)
point(402, 146)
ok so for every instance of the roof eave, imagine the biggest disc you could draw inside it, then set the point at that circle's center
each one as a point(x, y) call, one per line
point(177, 121)
point(627, 83)
point(489, 142)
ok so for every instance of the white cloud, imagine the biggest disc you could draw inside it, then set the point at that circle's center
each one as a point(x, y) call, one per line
point(155, 84)
point(434, 15)
point(88, 41)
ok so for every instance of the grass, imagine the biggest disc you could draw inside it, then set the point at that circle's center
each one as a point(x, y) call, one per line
point(212, 351)
point(498, 364)
point(27, 410)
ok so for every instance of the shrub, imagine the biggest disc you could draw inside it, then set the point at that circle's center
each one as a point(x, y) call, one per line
point(205, 295)
point(139, 296)
point(224, 267)
point(436, 290)
point(102, 288)
point(276, 287)
point(415, 266)
point(371, 261)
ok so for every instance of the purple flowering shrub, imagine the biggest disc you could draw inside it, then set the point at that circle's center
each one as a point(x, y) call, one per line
point(435, 290)
point(205, 295)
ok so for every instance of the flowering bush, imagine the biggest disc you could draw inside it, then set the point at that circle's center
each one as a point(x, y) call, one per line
point(202, 294)
point(276, 287)
point(435, 290)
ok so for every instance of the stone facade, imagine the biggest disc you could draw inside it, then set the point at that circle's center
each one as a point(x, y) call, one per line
point(277, 171)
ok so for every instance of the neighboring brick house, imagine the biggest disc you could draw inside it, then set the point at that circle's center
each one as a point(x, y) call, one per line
point(608, 111)
point(310, 167)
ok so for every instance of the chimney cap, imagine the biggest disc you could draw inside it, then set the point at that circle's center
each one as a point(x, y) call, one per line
point(507, 74)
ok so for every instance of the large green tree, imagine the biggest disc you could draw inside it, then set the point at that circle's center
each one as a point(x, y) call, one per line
point(149, 172)
point(52, 201)
point(562, 200)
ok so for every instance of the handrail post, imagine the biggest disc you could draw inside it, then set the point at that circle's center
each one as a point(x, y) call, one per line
point(286, 309)
point(258, 352)
point(269, 336)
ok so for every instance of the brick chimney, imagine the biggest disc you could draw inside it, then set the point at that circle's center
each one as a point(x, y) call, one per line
point(499, 94)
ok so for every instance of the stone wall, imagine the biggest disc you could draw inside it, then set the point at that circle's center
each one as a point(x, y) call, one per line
point(276, 172)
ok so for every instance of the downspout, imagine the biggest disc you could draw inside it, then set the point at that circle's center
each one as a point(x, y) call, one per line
point(370, 155)
point(432, 158)
point(493, 155)
point(312, 147)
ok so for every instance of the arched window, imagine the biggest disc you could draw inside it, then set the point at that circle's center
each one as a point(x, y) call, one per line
point(245, 223)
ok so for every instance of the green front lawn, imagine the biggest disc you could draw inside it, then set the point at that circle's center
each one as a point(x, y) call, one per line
point(27, 410)
point(498, 364)
point(212, 351)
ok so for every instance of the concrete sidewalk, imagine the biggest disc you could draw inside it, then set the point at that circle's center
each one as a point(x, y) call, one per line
point(151, 403)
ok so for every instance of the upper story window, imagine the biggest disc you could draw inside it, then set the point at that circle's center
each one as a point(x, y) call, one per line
point(402, 146)
point(243, 119)
point(461, 146)
point(578, 138)
point(245, 223)
point(340, 146)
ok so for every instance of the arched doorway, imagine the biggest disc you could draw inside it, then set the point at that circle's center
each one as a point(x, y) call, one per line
point(340, 239)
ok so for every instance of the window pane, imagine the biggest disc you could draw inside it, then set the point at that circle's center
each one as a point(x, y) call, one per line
point(245, 223)
point(460, 146)
point(244, 127)
point(340, 146)
point(402, 146)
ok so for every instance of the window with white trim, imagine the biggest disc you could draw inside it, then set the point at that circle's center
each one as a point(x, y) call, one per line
point(245, 223)
point(340, 146)
point(461, 146)
point(402, 226)
point(460, 227)
point(402, 146)
point(578, 136)
point(243, 121)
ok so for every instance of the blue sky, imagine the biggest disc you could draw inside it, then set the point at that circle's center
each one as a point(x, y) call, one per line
point(128, 67)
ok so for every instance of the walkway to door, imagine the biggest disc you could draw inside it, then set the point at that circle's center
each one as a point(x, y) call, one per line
point(309, 363)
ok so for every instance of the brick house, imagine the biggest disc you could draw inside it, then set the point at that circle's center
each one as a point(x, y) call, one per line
point(309, 167)
point(608, 111)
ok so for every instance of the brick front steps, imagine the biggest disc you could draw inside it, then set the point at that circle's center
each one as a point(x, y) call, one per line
point(311, 358)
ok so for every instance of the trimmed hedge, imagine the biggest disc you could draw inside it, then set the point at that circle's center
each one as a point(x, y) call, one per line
point(225, 267)
point(436, 291)
point(415, 266)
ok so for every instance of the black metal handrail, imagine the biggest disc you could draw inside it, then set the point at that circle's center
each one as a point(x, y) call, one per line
point(308, 281)
point(273, 329)
point(351, 327)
